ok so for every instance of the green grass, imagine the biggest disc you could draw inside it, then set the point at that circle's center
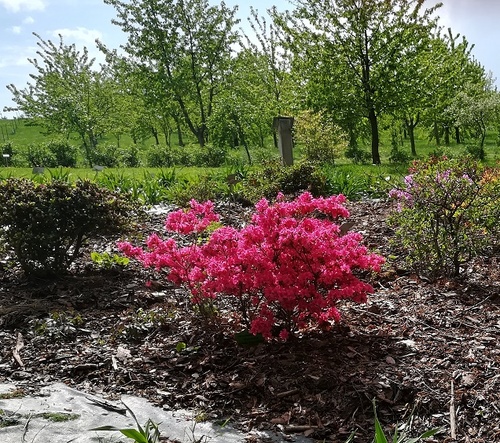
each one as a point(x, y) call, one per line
point(88, 173)
point(58, 417)
point(20, 134)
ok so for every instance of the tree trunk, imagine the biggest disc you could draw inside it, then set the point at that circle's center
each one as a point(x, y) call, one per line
point(436, 134)
point(372, 116)
point(411, 135)
point(155, 135)
point(447, 136)
point(457, 135)
point(410, 125)
point(244, 143)
point(201, 137)
point(167, 138)
point(353, 139)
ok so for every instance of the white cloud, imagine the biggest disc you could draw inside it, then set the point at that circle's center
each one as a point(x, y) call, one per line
point(16, 29)
point(18, 5)
point(81, 34)
point(29, 20)
point(13, 56)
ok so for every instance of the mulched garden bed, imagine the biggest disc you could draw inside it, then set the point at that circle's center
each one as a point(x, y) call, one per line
point(428, 352)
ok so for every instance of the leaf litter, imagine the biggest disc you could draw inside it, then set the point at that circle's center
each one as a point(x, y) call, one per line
point(428, 352)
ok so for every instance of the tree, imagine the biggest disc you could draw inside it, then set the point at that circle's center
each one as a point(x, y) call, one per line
point(68, 95)
point(272, 63)
point(369, 38)
point(473, 109)
point(185, 47)
point(451, 67)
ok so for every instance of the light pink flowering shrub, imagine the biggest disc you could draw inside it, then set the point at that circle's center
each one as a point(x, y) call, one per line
point(287, 269)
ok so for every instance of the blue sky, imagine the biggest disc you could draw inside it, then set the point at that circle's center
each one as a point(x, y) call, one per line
point(82, 21)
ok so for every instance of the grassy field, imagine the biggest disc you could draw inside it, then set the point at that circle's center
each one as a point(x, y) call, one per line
point(20, 134)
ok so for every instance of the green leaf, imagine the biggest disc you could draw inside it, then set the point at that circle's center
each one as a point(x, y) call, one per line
point(105, 428)
point(181, 346)
point(379, 433)
point(430, 432)
point(135, 435)
point(245, 338)
point(426, 434)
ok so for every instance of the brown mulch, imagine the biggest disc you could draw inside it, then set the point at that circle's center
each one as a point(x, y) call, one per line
point(428, 352)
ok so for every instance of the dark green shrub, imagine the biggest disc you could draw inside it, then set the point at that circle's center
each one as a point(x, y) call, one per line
point(156, 157)
point(201, 189)
point(63, 153)
point(160, 156)
point(265, 155)
point(321, 140)
point(129, 156)
point(273, 177)
point(106, 155)
point(475, 151)
point(210, 155)
point(39, 155)
point(7, 148)
point(46, 224)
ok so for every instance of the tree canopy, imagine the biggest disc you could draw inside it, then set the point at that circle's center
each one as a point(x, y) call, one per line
point(186, 68)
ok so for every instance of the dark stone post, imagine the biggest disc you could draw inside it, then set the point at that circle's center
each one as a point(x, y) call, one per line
point(283, 126)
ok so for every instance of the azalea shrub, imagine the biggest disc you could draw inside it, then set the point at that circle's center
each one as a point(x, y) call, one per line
point(286, 270)
point(446, 213)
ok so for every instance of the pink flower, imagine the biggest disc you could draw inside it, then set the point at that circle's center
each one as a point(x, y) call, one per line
point(286, 267)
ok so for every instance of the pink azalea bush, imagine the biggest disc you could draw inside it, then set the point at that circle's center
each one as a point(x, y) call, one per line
point(446, 213)
point(286, 269)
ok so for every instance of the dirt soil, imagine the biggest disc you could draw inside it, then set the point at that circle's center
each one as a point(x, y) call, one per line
point(428, 352)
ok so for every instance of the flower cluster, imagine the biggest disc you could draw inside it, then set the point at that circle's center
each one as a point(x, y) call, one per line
point(196, 220)
point(445, 213)
point(287, 269)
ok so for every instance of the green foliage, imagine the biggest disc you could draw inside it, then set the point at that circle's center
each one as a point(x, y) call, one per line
point(202, 188)
point(153, 189)
point(38, 155)
point(273, 177)
point(357, 154)
point(334, 41)
point(397, 155)
point(321, 140)
point(7, 148)
point(400, 433)
point(340, 181)
point(447, 213)
point(63, 152)
point(46, 224)
point(58, 325)
point(210, 155)
point(129, 156)
point(67, 94)
point(114, 181)
point(106, 155)
point(475, 151)
point(191, 53)
point(107, 261)
point(59, 174)
point(160, 156)
point(143, 322)
point(150, 433)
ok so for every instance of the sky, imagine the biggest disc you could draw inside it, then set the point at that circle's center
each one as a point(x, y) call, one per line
point(83, 21)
